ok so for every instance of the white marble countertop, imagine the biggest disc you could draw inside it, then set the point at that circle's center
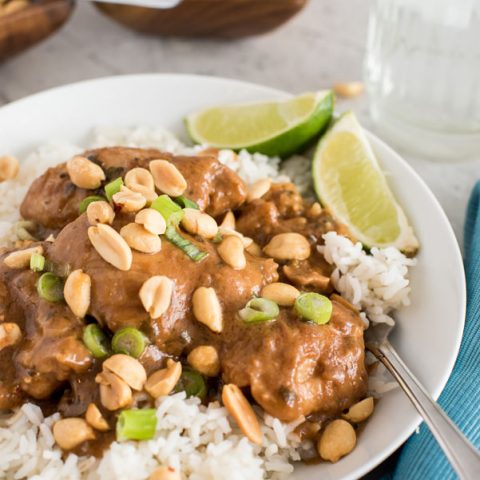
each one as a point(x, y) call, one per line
point(322, 45)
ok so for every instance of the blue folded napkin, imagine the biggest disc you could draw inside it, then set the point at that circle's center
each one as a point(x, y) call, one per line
point(421, 457)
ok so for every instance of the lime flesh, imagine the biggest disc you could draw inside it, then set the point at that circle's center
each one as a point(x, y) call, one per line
point(273, 128)
point(349, 181)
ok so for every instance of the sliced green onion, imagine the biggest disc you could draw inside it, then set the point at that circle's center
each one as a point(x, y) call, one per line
point(185, 245)
point(82, 208)
point(96, 340)
point(37, 262)
point(192, 383)
point(217, 238)
point(259, 310)
point(166, 206)
point(50, 287)
point(129, 341)
point(137, 424)
point(314, 307)
point(60, 269)
point(185, 202)
point(113, 187)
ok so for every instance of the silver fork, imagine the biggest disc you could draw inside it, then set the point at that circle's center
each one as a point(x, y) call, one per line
point(463, 456)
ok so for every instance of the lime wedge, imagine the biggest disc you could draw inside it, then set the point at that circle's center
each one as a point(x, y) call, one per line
point(272, 128)
point(349, 181)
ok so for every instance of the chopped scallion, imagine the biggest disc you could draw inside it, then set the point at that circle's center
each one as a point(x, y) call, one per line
point(96, 340)
point(129, 341)
point(50, 287)
point(37, 262)
point(113, 187)
point(82, 208)
point(185, 245)
point(192, 383)
point(136, 424)
point(259, 310)
point(166, 206)
point(185, 202)
point(314, 307)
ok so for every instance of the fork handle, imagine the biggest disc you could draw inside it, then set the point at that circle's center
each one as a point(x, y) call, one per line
point(463, 456)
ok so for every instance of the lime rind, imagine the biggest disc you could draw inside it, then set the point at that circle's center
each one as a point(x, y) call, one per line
point(405, 239)
point(290, 131)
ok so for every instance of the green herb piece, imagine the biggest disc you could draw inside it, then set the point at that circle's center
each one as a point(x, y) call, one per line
point(129, 341)
point(82, 208)
point(96, 340)
point(50, 287)
point(192, 383)
point(113, 187)
point(314, 307)
point(37, 262)
point(136, 424)
point(184, 202)
point(259, 310)
point(185, 245)
point(166, 206)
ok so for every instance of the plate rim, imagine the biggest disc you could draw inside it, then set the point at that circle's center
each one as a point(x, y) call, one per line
point(382, 455)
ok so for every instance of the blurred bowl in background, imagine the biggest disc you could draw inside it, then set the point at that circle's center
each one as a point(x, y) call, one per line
point(24, 23)
point(206, 18)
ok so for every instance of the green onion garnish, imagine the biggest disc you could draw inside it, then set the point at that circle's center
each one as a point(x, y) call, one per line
point(129, 341)
point(185, 202)
point(37, 262)
point(314, 307)
point(96, 340)
point(137, 424)
point(59, 269)
point(192, 383)
point(259, 310)
point(113, 187)
point(185, 245)
point(166, 206)
point(82, 208)
point(217, 238)
point(50, 287)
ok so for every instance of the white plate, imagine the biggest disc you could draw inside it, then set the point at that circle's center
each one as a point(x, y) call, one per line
point(428, 333)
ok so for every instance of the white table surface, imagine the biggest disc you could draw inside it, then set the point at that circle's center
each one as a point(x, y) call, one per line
point(322, 45)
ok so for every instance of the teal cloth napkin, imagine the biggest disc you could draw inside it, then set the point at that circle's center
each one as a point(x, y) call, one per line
point(421, 458)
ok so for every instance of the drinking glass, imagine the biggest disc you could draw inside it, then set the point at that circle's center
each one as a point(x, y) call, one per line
point(422, 72)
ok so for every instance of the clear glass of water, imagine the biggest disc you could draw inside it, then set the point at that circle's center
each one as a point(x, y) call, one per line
point(422, 71)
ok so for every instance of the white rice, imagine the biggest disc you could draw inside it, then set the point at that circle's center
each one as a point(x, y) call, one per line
point(202, 442)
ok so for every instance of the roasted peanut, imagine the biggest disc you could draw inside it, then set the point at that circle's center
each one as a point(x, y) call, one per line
point(77, 292)
point(139, 176)
point(348, 89)
point(10, 334)
point(254, 249)
point(205, 360)
point(231, 251)
point(156, 295)
point(258, 189)
point(167, 178)
point(227, 232)
point(228, 220)
point(128, 200)
point(114, 392)
point(162, 382)
point(337, 440)
point(9, 168)
point(128, 369)
point(149, 195)
point(288, 246)
point(111, 246)
point(100, 212)
point(165, 473)
point(315, 210)
point(207, 308)
point(151, 220)
point(84, 173)
point(95, 419)
point(21, 258)
point(140, 239)
point(198, 223)
point(15, 6)
point(239, 408)
point(360, 411)
point(71, 432)
point(282, 294)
